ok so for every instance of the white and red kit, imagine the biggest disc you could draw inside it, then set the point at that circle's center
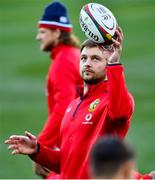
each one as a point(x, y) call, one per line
point(63, 80)
point(105, 109)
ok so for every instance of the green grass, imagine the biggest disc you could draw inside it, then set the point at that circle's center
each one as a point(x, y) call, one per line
point(23, 69)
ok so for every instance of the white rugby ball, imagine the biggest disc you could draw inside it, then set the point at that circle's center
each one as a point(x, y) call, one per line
point(97, 22)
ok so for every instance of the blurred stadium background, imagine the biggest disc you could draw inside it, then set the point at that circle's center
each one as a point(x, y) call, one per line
point(23, 69)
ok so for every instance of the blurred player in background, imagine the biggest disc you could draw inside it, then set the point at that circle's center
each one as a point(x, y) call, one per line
point(112, 158)
point(55, 36)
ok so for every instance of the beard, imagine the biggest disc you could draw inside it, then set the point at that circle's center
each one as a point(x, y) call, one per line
point(48, 47)
point(94, 79)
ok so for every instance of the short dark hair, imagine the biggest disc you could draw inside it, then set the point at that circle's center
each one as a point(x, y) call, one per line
point(108, 154)
point(90, 44)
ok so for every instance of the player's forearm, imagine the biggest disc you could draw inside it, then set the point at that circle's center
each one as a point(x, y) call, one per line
point(121, 103)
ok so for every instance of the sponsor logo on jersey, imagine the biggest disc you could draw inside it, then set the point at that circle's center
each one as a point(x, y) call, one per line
point(88, 119)
point(93, 105)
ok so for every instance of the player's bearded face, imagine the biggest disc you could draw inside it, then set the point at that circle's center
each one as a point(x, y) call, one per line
point(47, 38)
point(92, 65)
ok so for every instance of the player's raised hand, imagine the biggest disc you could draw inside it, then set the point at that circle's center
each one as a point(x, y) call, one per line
point(115, 48)
point(22, 144)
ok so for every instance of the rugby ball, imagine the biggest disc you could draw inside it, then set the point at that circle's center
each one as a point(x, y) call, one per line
point(97, 22)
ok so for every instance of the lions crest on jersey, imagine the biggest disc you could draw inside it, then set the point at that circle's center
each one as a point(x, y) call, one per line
point(93, 105)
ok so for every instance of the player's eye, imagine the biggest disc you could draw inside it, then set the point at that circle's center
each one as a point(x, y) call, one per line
point(83, 58)
point(96, 58)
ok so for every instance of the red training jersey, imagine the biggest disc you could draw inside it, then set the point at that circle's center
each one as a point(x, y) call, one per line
point(63, 80)
point(105, 109)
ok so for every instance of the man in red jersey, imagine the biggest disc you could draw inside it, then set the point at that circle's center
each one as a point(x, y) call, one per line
point(106, 107)
point(55, 36)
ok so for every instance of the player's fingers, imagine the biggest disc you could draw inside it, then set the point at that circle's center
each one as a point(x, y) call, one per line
point(121, 32)
point(31, 136)
point(12, 147)
point(18, 138)
point(15, 137)
point(119, 35)
point(115, 42)
point(16, 151)
point(7, 141)
point(11, 141)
